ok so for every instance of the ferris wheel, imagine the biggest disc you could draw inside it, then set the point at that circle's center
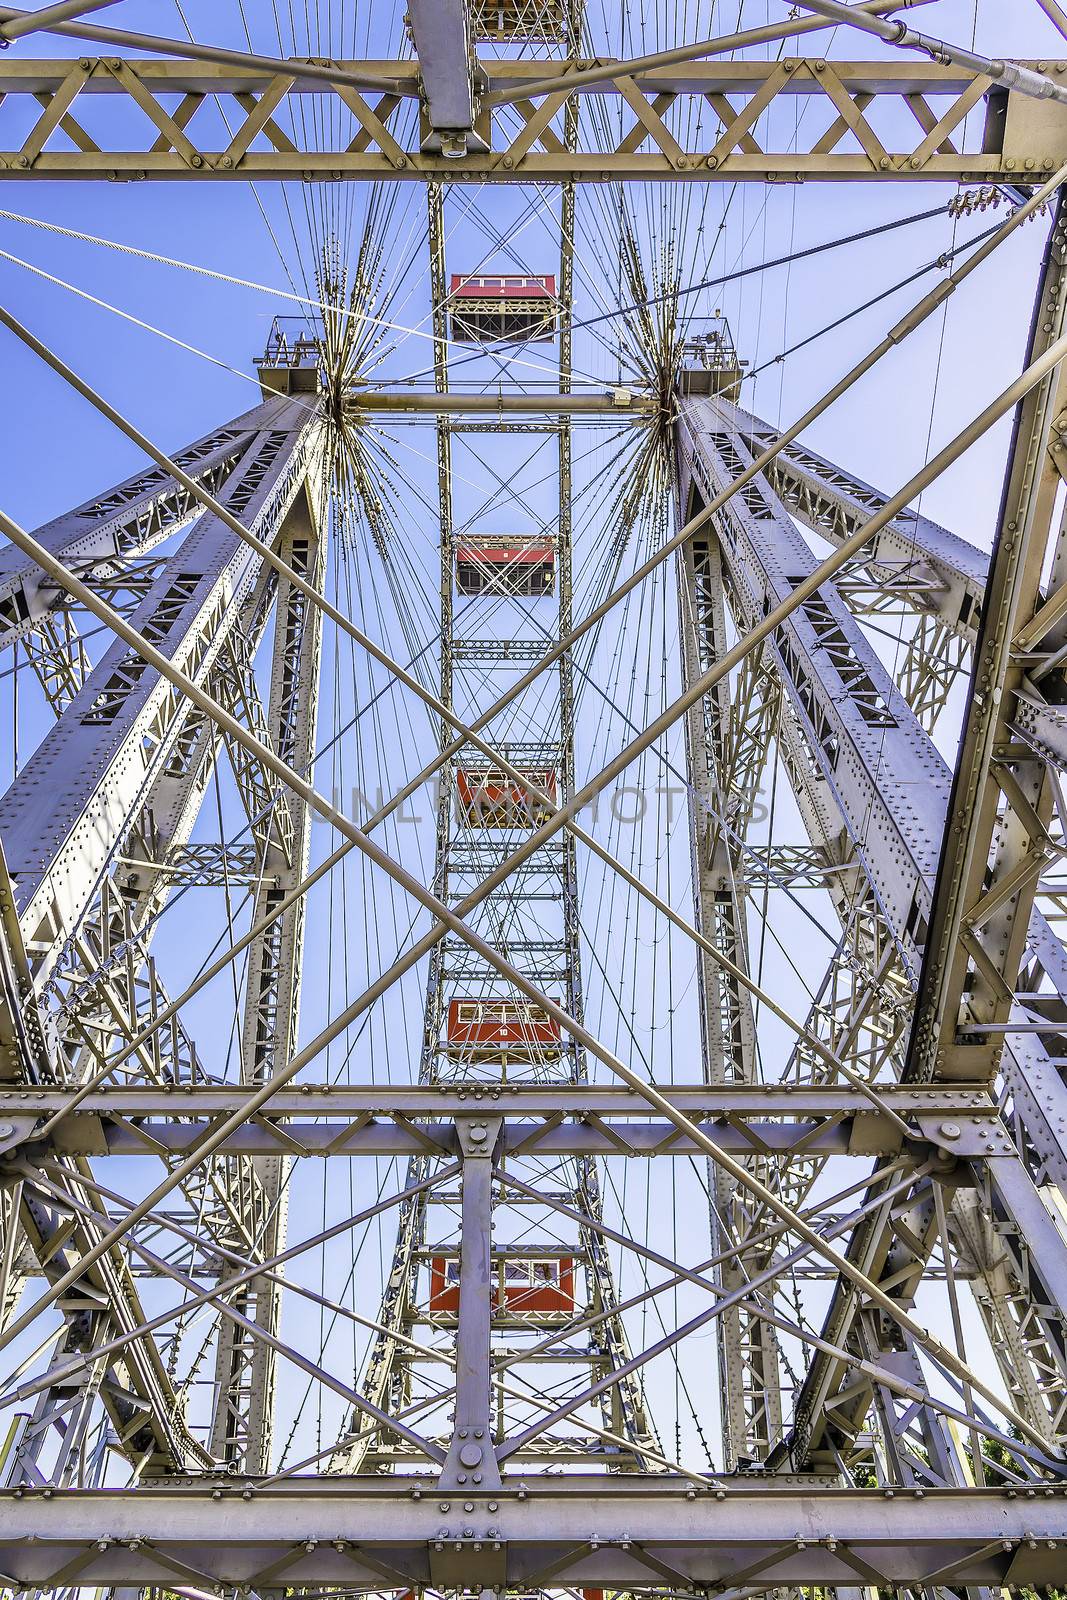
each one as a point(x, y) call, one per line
point(533, 997)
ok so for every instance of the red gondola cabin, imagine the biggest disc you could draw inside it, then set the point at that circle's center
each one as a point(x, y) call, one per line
point(488, 798)
point(500, 1027)
point(501, 564)
point(520, 1283)
point(512, 308)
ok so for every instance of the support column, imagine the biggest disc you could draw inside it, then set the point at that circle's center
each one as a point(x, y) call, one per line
point(471, 1458)
point(245, 1365)
point(749, 1379)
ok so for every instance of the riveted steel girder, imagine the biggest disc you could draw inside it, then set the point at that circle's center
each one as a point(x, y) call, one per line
point(341, 1121)
point(915, 129)
point(118, 731)
point(580, 1530)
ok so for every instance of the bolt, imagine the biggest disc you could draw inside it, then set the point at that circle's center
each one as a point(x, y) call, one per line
point(949, 1130)
point(6, 1130)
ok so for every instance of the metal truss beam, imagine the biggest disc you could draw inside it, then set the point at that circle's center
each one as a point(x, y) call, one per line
point(570, 1529)
point(749, 1379)
point(851, 134)
point(544, 944)
point(348, 1121)
point(913, 559)
point(135, 1389)
point(145, 756)
point(245, 1364)
point(119, 731)
point(101, 537)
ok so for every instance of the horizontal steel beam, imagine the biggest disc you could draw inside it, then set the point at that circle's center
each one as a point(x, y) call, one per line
point(312, 1100)
point(328, 1121)
point(626, 1531)
point(59, 132)
point(404, 78)
point(609, 402)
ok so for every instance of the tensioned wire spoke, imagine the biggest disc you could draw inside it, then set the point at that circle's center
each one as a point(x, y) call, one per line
point(308, 301)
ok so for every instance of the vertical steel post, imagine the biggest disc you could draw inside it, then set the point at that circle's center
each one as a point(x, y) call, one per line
point(471, 1458)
